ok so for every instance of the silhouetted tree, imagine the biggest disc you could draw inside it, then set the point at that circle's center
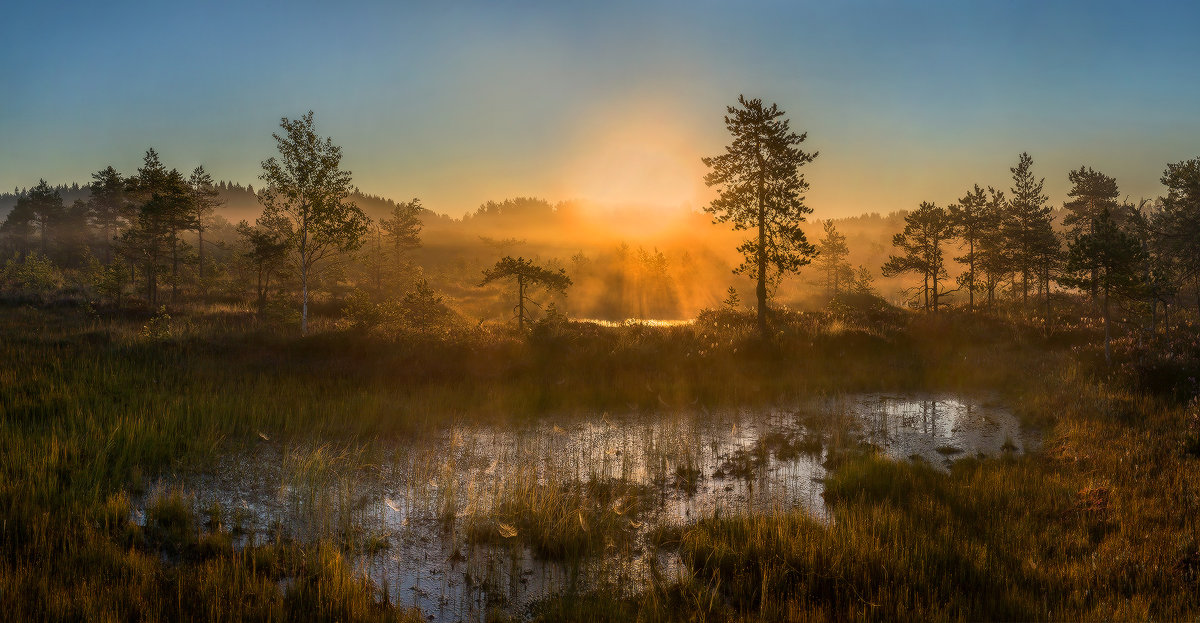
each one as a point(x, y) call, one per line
point(1027, 223)
point(38, 210)
point(864, 281)
point(831, 259)
point(526, 274)
point(110, 208)
point(971, 222)
point(732, 301)
point(73, 233)
point(204, 203)
point(403, 229)
point(17, 227)
point(1179, 221)
point(267, 254)
point(761, 189)
point(147, 241)
point(1115, 257)
point(1091, 194)
point(926, 229)
point(164, 201)
point(992, 252)
point(306, 197)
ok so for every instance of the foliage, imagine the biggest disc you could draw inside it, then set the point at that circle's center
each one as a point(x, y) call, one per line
point(926, 230)
point(1028, 225)
point(762, 190)
point(831, 260)
point(971, 221)
point(526, 274)
point(305, 199)
point(31, 275)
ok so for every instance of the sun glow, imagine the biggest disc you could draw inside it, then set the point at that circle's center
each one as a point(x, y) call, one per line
point(640, 167)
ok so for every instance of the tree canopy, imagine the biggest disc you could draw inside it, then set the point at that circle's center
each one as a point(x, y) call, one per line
point(762, 190)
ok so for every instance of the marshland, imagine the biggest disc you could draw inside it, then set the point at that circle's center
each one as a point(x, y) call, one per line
point(630, 353)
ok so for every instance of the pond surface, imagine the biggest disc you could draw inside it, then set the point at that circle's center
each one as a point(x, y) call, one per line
point(446, 519)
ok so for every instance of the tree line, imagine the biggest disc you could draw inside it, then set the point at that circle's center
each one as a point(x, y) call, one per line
point(153, 231)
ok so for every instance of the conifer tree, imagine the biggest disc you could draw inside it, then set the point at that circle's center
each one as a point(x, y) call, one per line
point(831, 260)
point(1116, 257)
point(526, 274)
point(203, 205)
point(1027, 223)
point(1091, 194)
point(403, 229)
point(1179, 221)
point(109, 206)
point(38, 210)
point(972, 221)
point(993, 248)
point(926, 229)
point(762, 190)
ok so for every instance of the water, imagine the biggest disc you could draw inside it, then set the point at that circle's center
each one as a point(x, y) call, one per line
point(422, 496)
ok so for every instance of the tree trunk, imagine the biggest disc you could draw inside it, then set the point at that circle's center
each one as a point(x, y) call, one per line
point(925, 292)
point(1025, 287)
point(262, 298)
point(971, 277)
point(174, 268)
point(304, 299)
point(200, 249)
point(1107, 330)
point(521, 303)
point(1046, 281)
point(935, 293)
point(761, 290)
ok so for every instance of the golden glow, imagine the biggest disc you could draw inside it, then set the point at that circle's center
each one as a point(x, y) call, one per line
point(641, 164)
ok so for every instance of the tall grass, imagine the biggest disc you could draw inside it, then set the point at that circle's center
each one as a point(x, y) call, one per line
point(1100, 524)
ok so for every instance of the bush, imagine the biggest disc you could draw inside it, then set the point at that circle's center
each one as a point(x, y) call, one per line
point(32, 275)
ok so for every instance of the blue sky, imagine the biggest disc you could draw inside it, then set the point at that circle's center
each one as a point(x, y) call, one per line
point(458, 103)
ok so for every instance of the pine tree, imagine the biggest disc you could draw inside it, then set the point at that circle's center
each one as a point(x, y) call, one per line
point(733, 301)
point(972, 221)
point(525, 274)
point(203, 205)
point(926, 229)
point(831, 260)
point(1027, 223)
point(267, 254)
point(992, 253)
point(1116, 257)
point(761, 189)
point(1092, 193)
point(164, 199)
point(109, 206)
point(403, 229)
point(38, 210)
point(1179, 221)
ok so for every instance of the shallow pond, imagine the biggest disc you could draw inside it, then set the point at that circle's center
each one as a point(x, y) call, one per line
point(456, 522)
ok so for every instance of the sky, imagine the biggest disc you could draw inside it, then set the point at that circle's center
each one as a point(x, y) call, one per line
point(459, 103)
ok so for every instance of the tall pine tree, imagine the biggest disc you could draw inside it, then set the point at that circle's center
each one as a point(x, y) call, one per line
point(1027, 224)
point(762, 190)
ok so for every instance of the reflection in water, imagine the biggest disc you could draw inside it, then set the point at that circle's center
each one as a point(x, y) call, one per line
point(420, 497)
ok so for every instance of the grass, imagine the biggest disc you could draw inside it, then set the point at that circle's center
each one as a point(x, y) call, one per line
point(1101, 523)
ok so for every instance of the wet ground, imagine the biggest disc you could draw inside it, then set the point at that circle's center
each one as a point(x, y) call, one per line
point(410, 509)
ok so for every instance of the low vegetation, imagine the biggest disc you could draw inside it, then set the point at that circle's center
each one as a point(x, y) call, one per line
point(1099, 523)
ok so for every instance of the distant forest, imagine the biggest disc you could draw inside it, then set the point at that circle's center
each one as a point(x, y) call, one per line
point(125, 239)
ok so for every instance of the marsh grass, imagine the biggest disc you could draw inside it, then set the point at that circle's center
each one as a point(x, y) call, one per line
point(1101, 523)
